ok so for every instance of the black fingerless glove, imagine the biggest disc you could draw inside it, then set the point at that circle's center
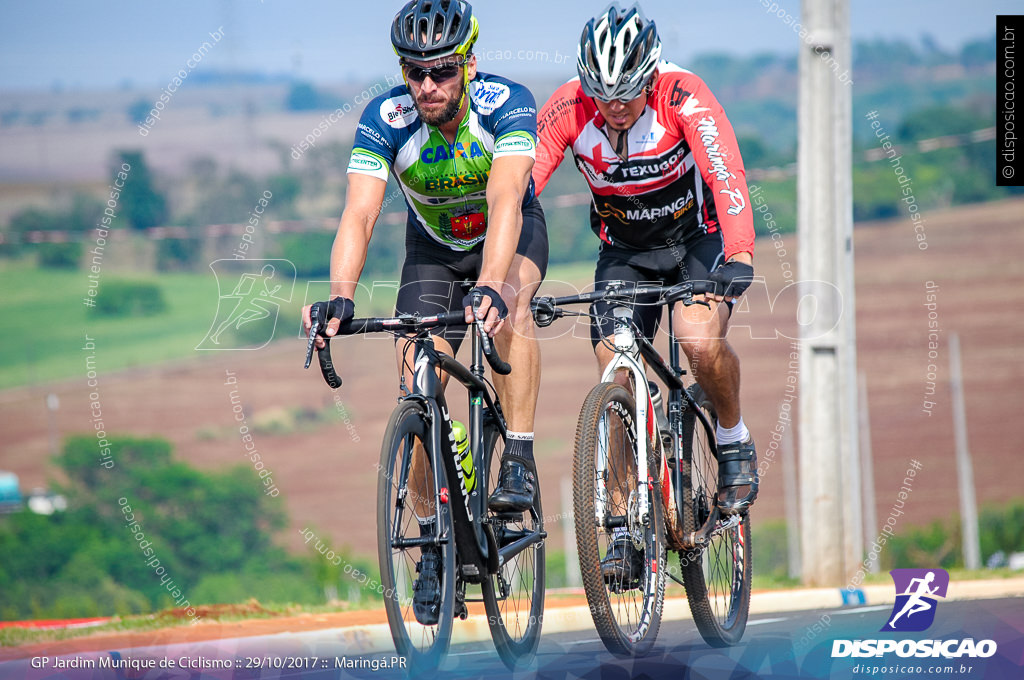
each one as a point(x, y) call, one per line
point(496, 300)
point(731, 279)
point(339, 308)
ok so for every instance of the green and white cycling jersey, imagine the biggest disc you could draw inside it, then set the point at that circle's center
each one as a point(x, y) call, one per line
point(445, 184)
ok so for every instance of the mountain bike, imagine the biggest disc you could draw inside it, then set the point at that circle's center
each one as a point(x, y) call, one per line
point(654, 485)
point(422, 476)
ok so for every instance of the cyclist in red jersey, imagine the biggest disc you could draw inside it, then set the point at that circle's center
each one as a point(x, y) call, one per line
point(670, 204)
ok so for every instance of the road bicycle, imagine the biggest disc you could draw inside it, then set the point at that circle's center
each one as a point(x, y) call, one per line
point(421, 471)
point(653, 484)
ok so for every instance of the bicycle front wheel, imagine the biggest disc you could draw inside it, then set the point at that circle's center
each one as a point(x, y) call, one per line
point(514, 596)
point(606, 501)
point(716, 577)
point(405, 489)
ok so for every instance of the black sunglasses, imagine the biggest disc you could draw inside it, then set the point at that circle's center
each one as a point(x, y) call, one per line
point(438, 74)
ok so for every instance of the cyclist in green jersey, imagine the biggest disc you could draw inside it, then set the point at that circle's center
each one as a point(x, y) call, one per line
point(461, 145)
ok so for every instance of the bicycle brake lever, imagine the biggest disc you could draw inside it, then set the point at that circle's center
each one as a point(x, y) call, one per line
point(311, 341)
point(498, 365)
point(544, 311)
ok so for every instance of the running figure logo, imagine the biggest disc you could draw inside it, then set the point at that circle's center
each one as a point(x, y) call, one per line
point(256, 296)
point(916, 592)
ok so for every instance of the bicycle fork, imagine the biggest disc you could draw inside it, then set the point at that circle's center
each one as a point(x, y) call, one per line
point(426, 389)
point(627, 357)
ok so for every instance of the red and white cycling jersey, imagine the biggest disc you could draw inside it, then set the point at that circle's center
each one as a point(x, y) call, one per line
point(682, 175)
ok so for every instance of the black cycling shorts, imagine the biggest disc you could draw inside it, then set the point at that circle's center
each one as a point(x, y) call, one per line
point(691, 260)
point(436, 278)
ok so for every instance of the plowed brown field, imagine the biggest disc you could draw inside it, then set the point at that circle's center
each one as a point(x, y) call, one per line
point(327, 476)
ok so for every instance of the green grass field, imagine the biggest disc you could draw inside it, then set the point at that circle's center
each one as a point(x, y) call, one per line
point(46, 322)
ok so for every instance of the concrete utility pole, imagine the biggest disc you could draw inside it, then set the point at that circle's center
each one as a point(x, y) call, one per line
point(831, 531)
point(789, 494)
point(964, 468)
point(867, 471)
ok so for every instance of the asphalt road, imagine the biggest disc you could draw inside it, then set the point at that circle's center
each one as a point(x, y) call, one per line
point(781, 646)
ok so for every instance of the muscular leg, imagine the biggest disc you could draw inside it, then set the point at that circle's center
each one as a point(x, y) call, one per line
point(517, 344)
point(714, 364)
point(717, 369)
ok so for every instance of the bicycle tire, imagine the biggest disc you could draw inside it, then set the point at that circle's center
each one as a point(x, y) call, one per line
point(424, 646)
point(717, 577)
point(635, 635)
point(513, 597)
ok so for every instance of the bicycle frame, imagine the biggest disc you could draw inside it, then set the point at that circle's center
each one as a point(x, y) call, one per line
point(682, 463)
point(466, 506)
point(629, 348)
point(627, 356)
point(475, 543)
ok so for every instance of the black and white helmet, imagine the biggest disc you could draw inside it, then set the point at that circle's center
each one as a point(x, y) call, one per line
point(618, 52)
point(431, 29)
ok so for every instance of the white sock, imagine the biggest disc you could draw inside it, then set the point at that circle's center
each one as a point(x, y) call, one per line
point(731, 435)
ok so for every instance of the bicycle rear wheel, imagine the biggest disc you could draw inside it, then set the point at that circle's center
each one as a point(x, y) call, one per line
point(716, 577)
point(513, 597)
point(402, 489)
point(605, 491)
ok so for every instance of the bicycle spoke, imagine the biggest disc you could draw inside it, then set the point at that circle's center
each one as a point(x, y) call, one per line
point(514, 596)
point(624, 607)
point(405, 492)
point(716, 576)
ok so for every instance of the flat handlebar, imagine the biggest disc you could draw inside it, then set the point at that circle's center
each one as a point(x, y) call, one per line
point(546, 309)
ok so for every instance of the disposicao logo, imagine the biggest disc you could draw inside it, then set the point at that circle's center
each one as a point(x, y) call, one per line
point(917, 591)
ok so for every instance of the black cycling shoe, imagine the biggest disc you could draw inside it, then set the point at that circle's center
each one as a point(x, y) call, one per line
point(737, 469)
point(426, 598)
point(515, 487)
point(623, 566)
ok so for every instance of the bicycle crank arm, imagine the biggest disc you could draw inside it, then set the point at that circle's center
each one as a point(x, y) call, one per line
point(402, 543)
point(722, 527)
point(700, 539)
point(513, 549)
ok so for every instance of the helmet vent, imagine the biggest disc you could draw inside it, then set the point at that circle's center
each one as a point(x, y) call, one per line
point(431, 29)
point(618, 53)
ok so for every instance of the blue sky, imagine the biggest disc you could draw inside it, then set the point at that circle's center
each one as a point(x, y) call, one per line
point(81, 44)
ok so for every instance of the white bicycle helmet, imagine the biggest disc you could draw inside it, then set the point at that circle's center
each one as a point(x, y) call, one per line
point(618, 52)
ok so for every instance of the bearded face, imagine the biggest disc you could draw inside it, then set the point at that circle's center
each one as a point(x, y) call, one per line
point(437, 87)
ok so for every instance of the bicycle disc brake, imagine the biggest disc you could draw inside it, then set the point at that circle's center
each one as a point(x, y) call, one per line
point(637, 526)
